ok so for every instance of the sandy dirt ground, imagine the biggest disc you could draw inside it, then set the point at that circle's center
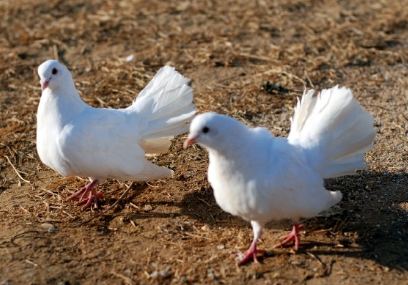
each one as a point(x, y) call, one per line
point(247, 59)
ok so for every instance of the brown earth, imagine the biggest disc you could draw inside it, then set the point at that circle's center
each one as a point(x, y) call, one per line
point(248, 59)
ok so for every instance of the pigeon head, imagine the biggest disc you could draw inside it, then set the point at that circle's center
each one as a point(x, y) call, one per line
point(53, 74)
point(213, 130)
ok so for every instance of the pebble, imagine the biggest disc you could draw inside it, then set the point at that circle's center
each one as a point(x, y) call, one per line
point(148, 208)
point(49, 227)
point(211, 274)
point(159, 274)
point(296, 262)
point(220, 246)
point(205, 228)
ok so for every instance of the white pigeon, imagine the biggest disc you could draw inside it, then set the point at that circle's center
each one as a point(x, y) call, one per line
point(74, 138)
point(260, 177)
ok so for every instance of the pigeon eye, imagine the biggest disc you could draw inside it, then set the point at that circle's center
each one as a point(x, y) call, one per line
point(54, 71)
point(206, 130)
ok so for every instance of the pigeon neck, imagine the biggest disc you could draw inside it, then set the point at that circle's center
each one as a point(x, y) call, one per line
point(233, 150)
point(63, 103)
point(227, 160)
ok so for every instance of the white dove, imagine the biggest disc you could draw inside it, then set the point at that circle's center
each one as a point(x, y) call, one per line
point(260, 177)
point(74, 138)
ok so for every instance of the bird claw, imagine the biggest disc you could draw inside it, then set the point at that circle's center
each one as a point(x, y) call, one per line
point(249, 255)
point(82, 191)
point(88, 195)
point(293, 236)
point(93, 198)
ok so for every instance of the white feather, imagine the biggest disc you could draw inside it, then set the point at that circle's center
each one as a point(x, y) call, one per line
point(260, 177)
point(76, 139)
point(334, 130)
point(167, 104)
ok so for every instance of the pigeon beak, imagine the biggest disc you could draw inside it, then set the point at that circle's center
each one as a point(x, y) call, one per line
point(44, 83)
point(189, 141)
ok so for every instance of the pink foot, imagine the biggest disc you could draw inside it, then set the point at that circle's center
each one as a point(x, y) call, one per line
point(88, 195)
point(251, 253)
point(294, 235)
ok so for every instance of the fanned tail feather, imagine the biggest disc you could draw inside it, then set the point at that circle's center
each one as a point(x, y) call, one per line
point(334, 129)
point(167, 102)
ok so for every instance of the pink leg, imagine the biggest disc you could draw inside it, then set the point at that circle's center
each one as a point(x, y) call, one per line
point(252, 252)
point(294, 235)
point(88, 195)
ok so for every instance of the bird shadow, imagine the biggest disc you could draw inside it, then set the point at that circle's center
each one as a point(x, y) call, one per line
point(370, 223)
point(103, 219)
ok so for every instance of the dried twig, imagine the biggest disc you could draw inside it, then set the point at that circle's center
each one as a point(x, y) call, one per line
point(16, 170)
point(31, 262)
point(127, 280)
point(317, 258)
point(205, 202)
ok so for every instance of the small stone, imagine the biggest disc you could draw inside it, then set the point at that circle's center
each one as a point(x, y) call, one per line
point(296, 262)
point(159, 274)
point(220, 246)
point(147, 208)
point(211, 274)
point(49, 227)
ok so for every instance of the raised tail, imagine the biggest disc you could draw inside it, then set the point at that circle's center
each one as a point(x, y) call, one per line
point(334, 130)
point(167, 103)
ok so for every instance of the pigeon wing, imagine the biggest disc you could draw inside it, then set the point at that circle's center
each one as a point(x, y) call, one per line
point(104, 143)
point(290, 188)
point(275, 181)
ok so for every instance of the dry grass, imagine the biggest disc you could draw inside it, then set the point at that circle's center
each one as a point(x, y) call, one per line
point(248, 59)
